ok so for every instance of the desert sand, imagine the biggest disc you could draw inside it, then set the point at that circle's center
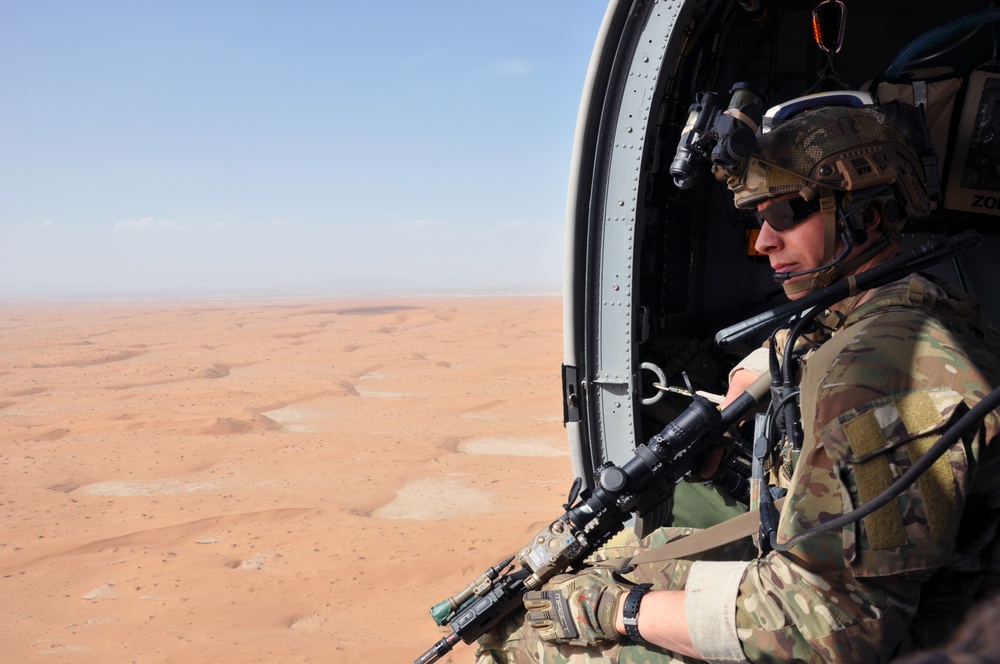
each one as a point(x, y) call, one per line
point(267, 481)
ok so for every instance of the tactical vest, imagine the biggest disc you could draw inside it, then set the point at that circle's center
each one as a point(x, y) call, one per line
point(954, 587)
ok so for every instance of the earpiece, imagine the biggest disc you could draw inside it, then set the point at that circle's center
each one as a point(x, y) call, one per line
point(853, 220)
point(890, 211)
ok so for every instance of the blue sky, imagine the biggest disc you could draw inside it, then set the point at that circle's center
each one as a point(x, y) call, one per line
point(247, 147)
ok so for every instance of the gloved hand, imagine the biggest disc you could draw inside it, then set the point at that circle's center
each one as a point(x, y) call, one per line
point(578, 609)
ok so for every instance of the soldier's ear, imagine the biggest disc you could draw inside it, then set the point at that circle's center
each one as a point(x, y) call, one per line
point(871, 216)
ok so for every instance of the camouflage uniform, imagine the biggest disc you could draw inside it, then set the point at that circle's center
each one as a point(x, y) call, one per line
point(894, 374)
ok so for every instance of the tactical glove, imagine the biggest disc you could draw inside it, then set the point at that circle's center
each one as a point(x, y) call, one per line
point(576, 609)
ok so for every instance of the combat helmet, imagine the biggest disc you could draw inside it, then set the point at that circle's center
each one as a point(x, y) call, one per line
point(851, 157)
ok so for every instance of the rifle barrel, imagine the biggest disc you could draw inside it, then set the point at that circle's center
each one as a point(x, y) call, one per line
point(439, 649)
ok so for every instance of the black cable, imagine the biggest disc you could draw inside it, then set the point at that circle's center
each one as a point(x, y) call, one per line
point(929, 253)
point(950, 47)
point(972, 418)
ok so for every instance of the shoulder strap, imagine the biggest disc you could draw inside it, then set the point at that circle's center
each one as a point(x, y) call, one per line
point(703, 540)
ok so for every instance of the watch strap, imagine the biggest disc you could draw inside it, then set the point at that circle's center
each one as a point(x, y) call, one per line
point(630, 613)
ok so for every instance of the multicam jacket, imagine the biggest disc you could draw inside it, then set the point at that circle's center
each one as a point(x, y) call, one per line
point(896, 372)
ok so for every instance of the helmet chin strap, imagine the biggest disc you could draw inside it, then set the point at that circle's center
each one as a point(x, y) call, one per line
point(834, 267)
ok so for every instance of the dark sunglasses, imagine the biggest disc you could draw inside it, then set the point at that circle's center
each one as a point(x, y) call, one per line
point(784, 214)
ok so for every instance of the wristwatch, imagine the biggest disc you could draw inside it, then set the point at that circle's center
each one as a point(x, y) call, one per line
point(631, 611)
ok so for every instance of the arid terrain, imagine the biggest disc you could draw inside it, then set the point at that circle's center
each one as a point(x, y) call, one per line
point(266, 481)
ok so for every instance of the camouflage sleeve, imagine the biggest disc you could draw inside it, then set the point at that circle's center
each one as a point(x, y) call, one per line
point(855, 589)
point(876, 399)
point(787, 613)
point(813, 603)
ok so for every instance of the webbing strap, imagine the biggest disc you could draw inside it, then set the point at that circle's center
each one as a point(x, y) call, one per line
point(873, 476)
point(706, 539)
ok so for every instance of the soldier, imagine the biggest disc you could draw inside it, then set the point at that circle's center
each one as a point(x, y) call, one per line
point(832, 188)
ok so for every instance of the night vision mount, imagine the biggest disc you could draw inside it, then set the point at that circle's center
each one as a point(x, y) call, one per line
point(726, 138)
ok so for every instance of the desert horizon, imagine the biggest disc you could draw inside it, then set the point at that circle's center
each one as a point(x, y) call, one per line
point(267, 480)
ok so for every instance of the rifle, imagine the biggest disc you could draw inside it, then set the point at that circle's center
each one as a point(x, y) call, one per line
point(590, 518)
point(593, 517)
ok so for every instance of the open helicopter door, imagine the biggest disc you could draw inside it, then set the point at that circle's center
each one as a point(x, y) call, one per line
point(617, 114)
point(653, 270)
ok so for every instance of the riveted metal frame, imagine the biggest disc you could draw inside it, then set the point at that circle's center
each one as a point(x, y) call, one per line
point(631, 62)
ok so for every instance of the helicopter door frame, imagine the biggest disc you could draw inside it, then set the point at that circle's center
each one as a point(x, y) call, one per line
point(605, 212)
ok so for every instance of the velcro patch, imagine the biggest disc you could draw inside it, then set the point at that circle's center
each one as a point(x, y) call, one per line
point(937, 484)
point(913, 420)
point(884, 525)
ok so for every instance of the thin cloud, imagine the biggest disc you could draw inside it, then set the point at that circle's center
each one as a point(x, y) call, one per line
point(146, 224)
point(235, 225)
point(519, 229)
point(34, 225)
point(422, 223)
point(250, 225)
point(518, 225)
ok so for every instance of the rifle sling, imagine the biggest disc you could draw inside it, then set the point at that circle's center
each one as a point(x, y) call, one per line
point(703, 540)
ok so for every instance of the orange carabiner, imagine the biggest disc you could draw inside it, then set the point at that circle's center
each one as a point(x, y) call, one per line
point(828, 21)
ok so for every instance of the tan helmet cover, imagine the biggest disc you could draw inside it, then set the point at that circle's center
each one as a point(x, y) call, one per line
point(836, 148)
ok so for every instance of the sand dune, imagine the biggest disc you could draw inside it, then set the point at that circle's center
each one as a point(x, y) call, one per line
point(284, 481)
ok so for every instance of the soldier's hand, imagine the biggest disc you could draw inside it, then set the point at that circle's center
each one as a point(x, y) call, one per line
point(710, 464)
point(577, 609)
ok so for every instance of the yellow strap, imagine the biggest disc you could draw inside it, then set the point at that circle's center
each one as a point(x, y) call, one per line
point(874, 475)
point(937, 484)
point(885, 525)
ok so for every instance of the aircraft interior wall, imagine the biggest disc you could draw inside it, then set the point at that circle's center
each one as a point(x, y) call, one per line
point(695, 276)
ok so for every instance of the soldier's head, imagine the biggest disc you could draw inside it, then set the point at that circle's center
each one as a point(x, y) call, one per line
point(832, 188)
